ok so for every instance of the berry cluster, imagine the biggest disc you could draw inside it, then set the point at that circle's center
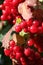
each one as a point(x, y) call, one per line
point(36, 42)
point(9, 9)
point(32, 26)
point(35, 28)
point(24, 56)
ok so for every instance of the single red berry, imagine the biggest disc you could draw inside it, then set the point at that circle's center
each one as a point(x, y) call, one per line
point(28, 29)
point(3, 17)
point(4, 12)
point(7, 52)
point(9, 18)
point(8, 10)
point(12, 43)
point(4, 3)
point(18, 55)
point(11, 48)
point(12, 56)
point(35, 45)
point(16, 49)
point(37, 55)
point(1, 7)
point(27, 51)
point(30, 42)
point(23, 24)
point(40, 49)
point(40, 29)
point(14, 21)
point(33, 29)
point(18, 28)
point(23, 61)
point(29, 22)
point(36, 23)
point(15, 2)
point(42, 24)
point(18, 17)
point(12, 11)
point(25, 30)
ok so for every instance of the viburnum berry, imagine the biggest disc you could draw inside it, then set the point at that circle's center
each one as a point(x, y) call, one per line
point(7, 52)
point(15, 2)
point(42, 61)
point(8, 10)
point(33, 29)
point(36, 23)
point(12, 43)
point(28, 29)
point(23, 24)
point(18, 28)
point(1, 7)
point(25, 30)
point(40, 29)
point(30, 42)
point(40, 49)
point(23, 62)
point(37, 55)
point(16, 49)
point(29, 22)
point(18, 17)
point(3, 17)
point(18, 55)
point(27, 51)
point(9, 18)
point(11, 48)
point(14, 21)
point(12, 56)
point(42, 24)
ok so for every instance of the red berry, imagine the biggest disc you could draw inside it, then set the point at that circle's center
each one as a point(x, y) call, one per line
point(12, 43)
point(25, 30)
point(15, 2)
point(14, 21)
point(11, 48)
point(3, 17)
point(30, 42)
point(23, 24)
point(23, 62)
point(1, 7)
point(27, 51)
point(12, 56)
point(42, 24)
point(40, 29)
point(40, 49)
point(36, 23)
point(37, 55)
point(22, 59)
point(18, 28)
point(28, 29)
point(7, 52)
point(18, 17)
point(18, 55)
point(33, 29)
point(8, 10)
point(29, 22)
point(16, 49)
